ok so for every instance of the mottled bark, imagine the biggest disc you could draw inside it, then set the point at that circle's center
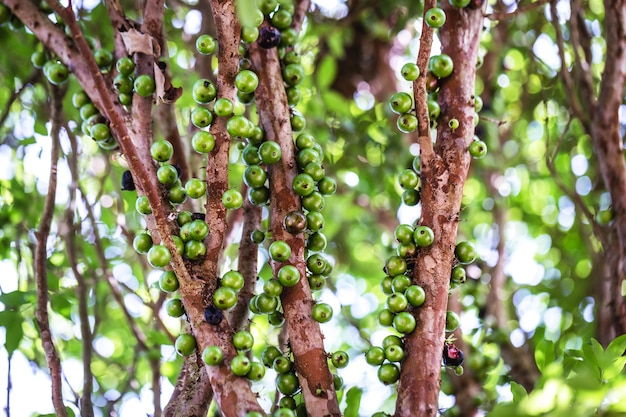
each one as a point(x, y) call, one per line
point(305, 338)
point(443, 176)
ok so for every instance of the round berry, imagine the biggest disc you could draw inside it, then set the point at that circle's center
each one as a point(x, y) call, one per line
point(441, 65)
point(270, 152)
point(195, 187)
point(246, 81)
point(280, 251)
point(203, 142)
point(203, 91)
point(415, 295)
point(288, 275)
point(410, 71)
point(142, 242)
point(223, 107)
point(423, 236)
point(233, 279)
point(452, 321)
point(404, 322)
point(435, 17)
point(465, 252)
point(206, 44)
point(375, 356)
point(293, 74)
point(125, 65)
point(394, 353)
point(404, 233)
point(408, 179)
point(295, 222)
point(243, 340)
point(397, 302)
point(322, 312)
point(478, 149)
point(195, 249)
point(185, 344)
point(212, 355)
point(168, 281)
point(159, 256)
point(240, 365)
point(161, 150)
point(174, 307)
point(453, 124)
point(144, 85)
point(388, 373)
point(201, 117)
point(340, 359)
point(232, 199)
point(407, 123)
point(401, 102)
point(225, 298)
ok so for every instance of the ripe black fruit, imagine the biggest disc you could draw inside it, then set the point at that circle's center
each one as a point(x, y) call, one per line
point(198, 216)
point(269, 37)
point(452, 355)
point(127, 181)
point(213, 315)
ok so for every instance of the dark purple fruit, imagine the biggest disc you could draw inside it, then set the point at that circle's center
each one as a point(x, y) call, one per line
point(295, 222)
point(198, 216)
point(269, 37)
point(213, 315)
point(452, 355)
point(127, 181)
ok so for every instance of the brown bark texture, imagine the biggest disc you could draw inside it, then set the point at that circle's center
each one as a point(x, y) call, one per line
point(443, 175)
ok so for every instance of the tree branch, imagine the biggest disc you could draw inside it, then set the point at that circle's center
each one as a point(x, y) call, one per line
point(518, 11)
point(443, 179)
point(41, 313)
point(304, 332)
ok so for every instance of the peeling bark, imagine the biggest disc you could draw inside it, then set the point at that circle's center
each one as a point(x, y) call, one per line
point(443, 176)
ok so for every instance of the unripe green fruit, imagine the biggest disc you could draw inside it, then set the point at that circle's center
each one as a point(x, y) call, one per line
point(56, 73)
point(167, 174)
point(225, 298)
point(125, 65)
point(394, 353)
point(212, 355)
point(375, 356)
point(159, 256)
point(407, 123)
point(288, 275)
point(340, 359)
point(269, 354)
point(395, 265)
point(388, 373)
point(478, 149)
point(100, 132)
point(243, 340)
point(435, 17)
point(232, 199)
point(195, 249)
point(195, 187)
point(142, 242)
point(400, 283)
point(104, 58)
point(38, 59)
point(246, 81)
point(203, 142)
point(265, 303)
point(223, 107)
point(404, 233)
point(174, 307)
point(287, 383)
point(401, 102)
point(385, 317)
point(410, 71)
point(423, 236)
point(185, 344)
point(203, 91)
point(293, 74)
point(441, 65)
point(415, 295)
point(144, 85)
point(168, 281)
point(280, 251)
point(270, 152)
point(142, 205)
point(465, 252)
point(240, 365)
point(256, 372)
point(201, 117)
point(408, 179)
point(161, 150)
point(322, 312)
point(404, 322)
point(397, 302)
point(206, 44)
point(452, 321)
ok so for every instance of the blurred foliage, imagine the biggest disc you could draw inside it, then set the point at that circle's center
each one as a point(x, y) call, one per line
point(525, 195)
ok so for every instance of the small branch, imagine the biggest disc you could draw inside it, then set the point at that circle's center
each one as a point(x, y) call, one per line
point(155, 367)
point(248, 259)
point(570, 89)
point(41, 314)
point(301, 9)
point(419, 91)
point(518, 11)
point(86, 405)
point(33, 78)
point(7, 408)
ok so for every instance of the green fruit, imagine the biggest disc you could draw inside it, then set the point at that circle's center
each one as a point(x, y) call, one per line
point(280, 251)
point(161, 150)
point(408, 179)
point(410, 71)
point(404, 322)
point(453, 124)
point(125, 65)
point(167, 174)
point(288, 275)
point(246, 81)
point(142, 205)
point(168, 281)
point(203, 91)
point(195, 187)
point(316, 242)
point(400, 283)
point(478, 149)
point(276, 318)
point(281, 19)
point(397, 302)
point(212, 355)
point(100, 132)
point(159, 256)
point(327, 186)
point(125, 99)
point(316, 263)
point(339, 359)
point(269, 354)
point(239, 127)
point(256, 372)
point(395, 265)
point(441, 65)
point(265, 303)
point(233, 279)
point(270, 152)
point(314, 221)
point(144, 85)
point(307, 156)
point(225, 298)
point(79, 99)
point(465, 252)
point(435, 17)
point(250, 155)
point(403, 233)
point(203, 142)
point(401, 102)
point(322, 312)
point(185, 344)
point(407, 123)
point(282, 364)
point(223, 107)
point(232, 199)
point(267, 6)
point(180, 245)
point(411, 197)
point(388, 373)
point(259, 196)
point(254, 176)
point(273, 287)
point(458, 275)
point(293, 74)
point(206, 44)
point(287, 383)
point(415, 295)
point(240, 365)
point(423, 236)
point(56, 73)
point(177, 194)
point(392, 339)
point(104, 58)
point(298, 122)
point(142, 242)
point(123, 84)
point(313, 202)
point(38, 59)
point(460, 3)
point(174, 307)
point(303, 184)
point(375, 356)
point(394, 353)
point(452, 321)
point(195, 249)
point(249, 34)
point(315, 170)
point(257, 236)
point(385, 317)
point(433, 110)
point(201, 117)
point(243, 340)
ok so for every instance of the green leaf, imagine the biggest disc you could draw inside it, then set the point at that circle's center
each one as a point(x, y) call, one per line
point(615, 368)
point(353, 401)
point(40, 127)
point(617, 347)
point(544, 354)
point(326, 72)
point(493, 376)
point(12, 322)
point(519, 392)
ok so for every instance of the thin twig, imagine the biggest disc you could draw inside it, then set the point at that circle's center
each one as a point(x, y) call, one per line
point(518, 11)
point(52, 357)
point(33, 78)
